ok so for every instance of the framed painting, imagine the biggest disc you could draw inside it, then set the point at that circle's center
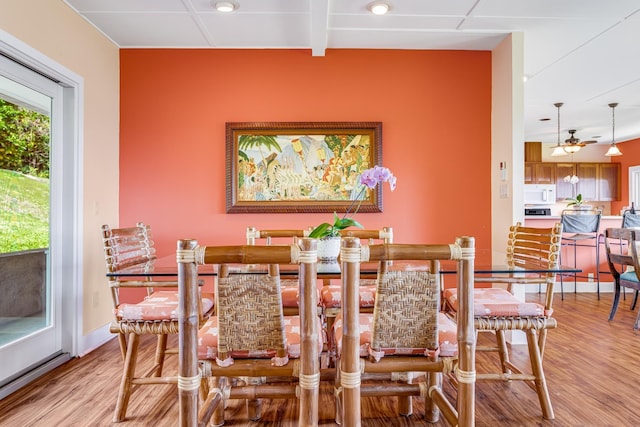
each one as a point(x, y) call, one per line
point(301, 166)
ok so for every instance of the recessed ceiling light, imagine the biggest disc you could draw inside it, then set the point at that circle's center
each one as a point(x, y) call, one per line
point(225, 6)
point(378, 7)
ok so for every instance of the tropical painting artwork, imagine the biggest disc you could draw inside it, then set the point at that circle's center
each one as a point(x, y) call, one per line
point(299, 169)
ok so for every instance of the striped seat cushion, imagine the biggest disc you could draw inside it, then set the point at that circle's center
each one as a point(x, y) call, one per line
point(447, 337)
point(160, 305)
point(331, 295)
point(496, 302)
point(291, 293)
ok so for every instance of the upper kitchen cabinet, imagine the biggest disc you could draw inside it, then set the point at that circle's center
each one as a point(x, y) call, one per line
point(564, 189)
point(588, 184)
point(609, 182)
point(598, 181)
point(539, 173)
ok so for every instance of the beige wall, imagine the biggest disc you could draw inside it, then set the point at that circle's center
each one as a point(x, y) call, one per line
point(57, 32)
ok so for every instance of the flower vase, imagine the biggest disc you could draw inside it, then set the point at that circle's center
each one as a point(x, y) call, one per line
point(582, 208)
point(328, 252)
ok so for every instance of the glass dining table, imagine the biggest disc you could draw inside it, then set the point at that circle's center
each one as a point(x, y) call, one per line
point(166, 266)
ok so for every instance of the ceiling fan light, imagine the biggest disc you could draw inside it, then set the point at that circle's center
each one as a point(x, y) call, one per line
point(571, 148)
point(613, 151)
point(558, 151)
point(378, 7)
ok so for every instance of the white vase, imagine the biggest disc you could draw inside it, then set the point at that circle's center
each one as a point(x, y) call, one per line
point(328, 252)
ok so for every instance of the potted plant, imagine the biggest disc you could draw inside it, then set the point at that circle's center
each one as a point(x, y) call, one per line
point(329, 234)
point(575, 202)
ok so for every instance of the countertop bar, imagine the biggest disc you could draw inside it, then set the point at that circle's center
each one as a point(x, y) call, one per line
point(611, 217)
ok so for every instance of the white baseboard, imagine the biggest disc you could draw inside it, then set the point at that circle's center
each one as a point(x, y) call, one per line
point(93, 340)
point(569, 286)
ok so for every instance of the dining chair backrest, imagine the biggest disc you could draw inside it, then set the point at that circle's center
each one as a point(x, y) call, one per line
point(249, 314)
point(405, 318)
point(575, 221)
point(124, 247)
point(383, 235)
point(254, 234)
point(630, 219)
point(531, 248)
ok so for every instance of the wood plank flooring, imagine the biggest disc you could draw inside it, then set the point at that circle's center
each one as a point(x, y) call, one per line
point(592, 368)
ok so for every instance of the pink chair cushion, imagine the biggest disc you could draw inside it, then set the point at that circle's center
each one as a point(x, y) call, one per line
point(160, 305)
point(208, 340)
point(447, 337)
point(496, 302)
point(291, 293)
point(331, 295)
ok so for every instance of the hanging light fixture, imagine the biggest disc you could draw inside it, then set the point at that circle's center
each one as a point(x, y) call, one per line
point(558, 150)
point(613, 150)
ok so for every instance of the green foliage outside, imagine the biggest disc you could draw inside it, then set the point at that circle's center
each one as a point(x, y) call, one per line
point(24, 140)
point(24, 212)
point(24, 183)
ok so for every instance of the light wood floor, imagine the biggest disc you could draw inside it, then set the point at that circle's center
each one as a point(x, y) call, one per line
point(592, 368)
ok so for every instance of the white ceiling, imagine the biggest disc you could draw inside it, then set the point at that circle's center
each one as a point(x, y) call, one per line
point(585, 53)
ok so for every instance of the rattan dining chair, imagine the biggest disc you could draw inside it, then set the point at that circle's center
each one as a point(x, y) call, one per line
point(289, 287)
point(249, 337)
point(498, 311)
point(155, 315)
point(331, 293)
point(621, 246)
point(378, 351)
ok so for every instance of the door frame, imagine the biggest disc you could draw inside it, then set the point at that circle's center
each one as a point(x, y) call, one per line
point(634, 185)
point(68, 199)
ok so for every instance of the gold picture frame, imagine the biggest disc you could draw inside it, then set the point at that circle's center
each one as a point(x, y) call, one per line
point(301, 166)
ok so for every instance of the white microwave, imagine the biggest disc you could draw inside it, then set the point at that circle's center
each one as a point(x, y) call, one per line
point(539, 194)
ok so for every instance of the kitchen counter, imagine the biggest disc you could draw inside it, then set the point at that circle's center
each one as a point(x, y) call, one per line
point(557, 217)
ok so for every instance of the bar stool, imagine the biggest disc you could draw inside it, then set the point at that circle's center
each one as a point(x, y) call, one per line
point(630, 219)
point(580, 229)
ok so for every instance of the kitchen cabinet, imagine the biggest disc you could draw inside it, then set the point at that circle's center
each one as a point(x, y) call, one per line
point(609, 181)
point(588, 184)
point(539, 173)
point(565, 190)
point(598, 181)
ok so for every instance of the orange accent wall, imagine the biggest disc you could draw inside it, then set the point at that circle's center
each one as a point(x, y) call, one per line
point(435, 107)
point(630, 157)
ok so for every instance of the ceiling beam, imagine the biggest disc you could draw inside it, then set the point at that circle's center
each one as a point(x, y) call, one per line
point(319, 26)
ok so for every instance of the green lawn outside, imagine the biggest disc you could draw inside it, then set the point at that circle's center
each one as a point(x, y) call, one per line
point(24, 212)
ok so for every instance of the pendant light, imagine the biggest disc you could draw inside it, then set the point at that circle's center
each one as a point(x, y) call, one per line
point(613, 150)
point(558, 150)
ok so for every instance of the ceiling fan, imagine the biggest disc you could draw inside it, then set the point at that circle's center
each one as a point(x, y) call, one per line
point(572, 144)
point(572, 140)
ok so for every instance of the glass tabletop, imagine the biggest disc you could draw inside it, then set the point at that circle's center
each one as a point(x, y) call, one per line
point(168, 267)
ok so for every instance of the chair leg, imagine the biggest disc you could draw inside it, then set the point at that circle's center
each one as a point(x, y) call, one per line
point(122, 340)
point(616, 300)
point(431, 410)
point(503, 351)
point(127, 376)
point(338, 395)
point(161, 348)
point(635, 300)
point(405, 404)
point(538, 372)
point(542, 341)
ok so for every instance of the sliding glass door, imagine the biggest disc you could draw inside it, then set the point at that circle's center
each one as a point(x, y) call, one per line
point(30, 289)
